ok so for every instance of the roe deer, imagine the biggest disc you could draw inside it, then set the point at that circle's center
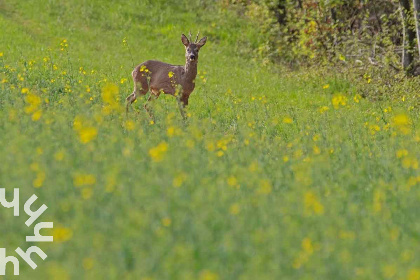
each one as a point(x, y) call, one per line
point(158, 77)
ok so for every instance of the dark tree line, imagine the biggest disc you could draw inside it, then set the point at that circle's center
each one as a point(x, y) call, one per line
point(381, 32)
point(409, 33)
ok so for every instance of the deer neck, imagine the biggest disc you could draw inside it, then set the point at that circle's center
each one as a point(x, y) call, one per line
point(190, 71)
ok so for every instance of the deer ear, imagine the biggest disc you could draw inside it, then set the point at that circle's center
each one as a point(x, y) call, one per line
point(202, 42)
point(184, 40)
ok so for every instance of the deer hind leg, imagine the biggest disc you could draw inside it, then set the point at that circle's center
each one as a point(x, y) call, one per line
point(154, 95)
point(131, 98)
point(140, 88)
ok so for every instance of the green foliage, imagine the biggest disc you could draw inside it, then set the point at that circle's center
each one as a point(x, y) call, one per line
point(272, 176)
point(326, 32)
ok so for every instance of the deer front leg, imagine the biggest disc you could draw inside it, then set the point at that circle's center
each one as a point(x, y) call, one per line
point(182, 103)
point(181, 108)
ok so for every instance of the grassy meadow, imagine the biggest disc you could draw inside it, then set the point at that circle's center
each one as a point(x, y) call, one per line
point(274, 174)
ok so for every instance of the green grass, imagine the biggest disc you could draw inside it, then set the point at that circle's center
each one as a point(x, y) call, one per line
point(271, 177)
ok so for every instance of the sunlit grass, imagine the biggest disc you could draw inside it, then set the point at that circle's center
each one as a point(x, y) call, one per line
point(271, 176)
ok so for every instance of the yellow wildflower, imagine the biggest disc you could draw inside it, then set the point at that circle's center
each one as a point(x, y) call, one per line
point(402, 123)
point(402, 153)
point(130, 125)
point(413, 274)
point(179, 179)
point(59, 156)
point(378, 200)
point(87, 193)
point(34, 102)
point(111, 181)
point(307, 245)
point(305, 253)
point(208, 275)
point(84, 180)
point(234, 209)
point(36, 115)
point(173, 131)
point(339, 100)
point(166, 222)
point(210, 147)
point(62, 234)
point(143, 68)
point(39, 180)
point(87, 134)
point(410, 162)
point(323, 109)
point(312, 204)
point(348, 235)
point(110, 98)
point(190, 143)
point(57, 271)
point(232, 181)
point(287, 120)
point(265, 187)
point(157, 153)
point(253, 167)
point(88, 263)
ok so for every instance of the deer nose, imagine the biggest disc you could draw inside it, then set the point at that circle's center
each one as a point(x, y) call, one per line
point(192, 57)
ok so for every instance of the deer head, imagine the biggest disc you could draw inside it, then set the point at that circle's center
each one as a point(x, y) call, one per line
point(192, 48)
